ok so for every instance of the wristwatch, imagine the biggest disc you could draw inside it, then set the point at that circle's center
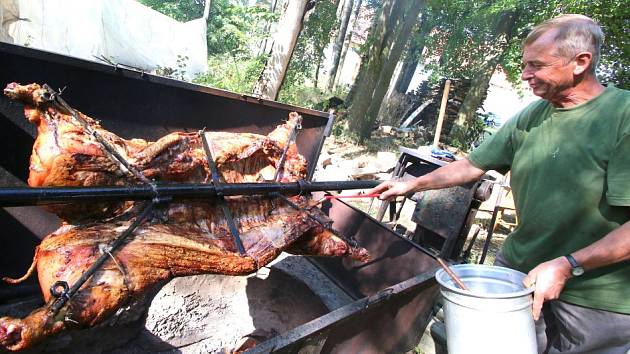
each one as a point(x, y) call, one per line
point(576, 269)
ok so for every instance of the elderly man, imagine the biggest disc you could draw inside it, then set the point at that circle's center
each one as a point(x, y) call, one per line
point(570, 160)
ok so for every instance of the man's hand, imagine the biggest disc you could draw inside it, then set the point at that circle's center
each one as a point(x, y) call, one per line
point(452, 174)
point(549, 279)
point(390, 189)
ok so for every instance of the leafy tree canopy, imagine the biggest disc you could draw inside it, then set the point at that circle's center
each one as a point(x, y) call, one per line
point(233, 26)
point(612, 15)
point(460, 42)
point(463, 35)
point(319, 29)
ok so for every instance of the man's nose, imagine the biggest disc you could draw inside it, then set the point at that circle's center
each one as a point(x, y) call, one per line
point(526, 74)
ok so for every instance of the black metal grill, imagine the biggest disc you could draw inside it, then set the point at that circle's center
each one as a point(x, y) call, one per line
point(394, 293)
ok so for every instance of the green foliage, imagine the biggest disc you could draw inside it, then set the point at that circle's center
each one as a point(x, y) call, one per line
point(234, 32)
point(298, 87)
point(338, 129)
point(181, 10)
point(375, 7)
point(232, 25)
point(175, 73)
point(307, 96)
point(463, 35)
point(234, 28)
point(237, 74)
point(472, 134)
point(511, 62)
point(315, 36)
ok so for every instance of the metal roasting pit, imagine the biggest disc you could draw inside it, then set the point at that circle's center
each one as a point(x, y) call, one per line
point(385, 304)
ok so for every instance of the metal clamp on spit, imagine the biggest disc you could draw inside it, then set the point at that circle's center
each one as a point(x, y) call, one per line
point(292, 137)
point(302, 185)
point(219, 192)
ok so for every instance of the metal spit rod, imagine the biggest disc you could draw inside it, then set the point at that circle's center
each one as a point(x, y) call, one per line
point(23, 196)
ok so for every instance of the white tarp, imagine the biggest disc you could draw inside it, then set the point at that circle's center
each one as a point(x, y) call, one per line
point(119, 31)
point(8, 15)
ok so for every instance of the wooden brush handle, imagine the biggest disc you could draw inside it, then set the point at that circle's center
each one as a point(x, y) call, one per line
point(450, 272)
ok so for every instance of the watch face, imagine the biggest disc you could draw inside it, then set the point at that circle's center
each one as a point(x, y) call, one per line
point(577, 271)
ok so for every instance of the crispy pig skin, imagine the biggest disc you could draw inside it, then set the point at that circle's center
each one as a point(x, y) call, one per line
point(192, 238)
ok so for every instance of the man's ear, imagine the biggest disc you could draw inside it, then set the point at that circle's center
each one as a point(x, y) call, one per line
point(582, 62)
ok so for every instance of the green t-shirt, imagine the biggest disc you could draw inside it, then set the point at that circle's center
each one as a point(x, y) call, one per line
point(571, 184)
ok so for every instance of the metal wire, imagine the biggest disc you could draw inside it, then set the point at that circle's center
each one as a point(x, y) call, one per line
point(68, 292)
point(110, 151)
point(219, 192)
point(292, 136)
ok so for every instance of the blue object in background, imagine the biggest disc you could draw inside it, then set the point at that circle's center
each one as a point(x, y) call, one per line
point(441, 154)
point(492, 120)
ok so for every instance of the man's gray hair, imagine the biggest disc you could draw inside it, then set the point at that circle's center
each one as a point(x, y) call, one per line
point(576, 33)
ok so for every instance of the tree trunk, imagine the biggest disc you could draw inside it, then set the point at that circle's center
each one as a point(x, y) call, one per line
point(346, 43)
point(355, 85)
point(406, 73)
point(338, 46)
point(481, 81)
point(363, 62)
point(390, 114)
point(410, 18)
point(390, 36)
point(206, 9)
point(371, 63)
point(262, 47)
point(318, 68)
point(413, 57)
point(289, 28)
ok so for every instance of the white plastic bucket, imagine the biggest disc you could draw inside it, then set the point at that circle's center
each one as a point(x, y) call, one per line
point(494, 317)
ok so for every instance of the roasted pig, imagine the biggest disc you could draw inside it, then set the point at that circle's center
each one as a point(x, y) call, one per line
point(187, 238)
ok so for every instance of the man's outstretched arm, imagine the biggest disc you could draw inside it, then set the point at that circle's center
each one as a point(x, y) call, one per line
point(453, 174)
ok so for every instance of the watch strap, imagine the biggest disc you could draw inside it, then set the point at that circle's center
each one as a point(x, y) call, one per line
point(574, 263)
